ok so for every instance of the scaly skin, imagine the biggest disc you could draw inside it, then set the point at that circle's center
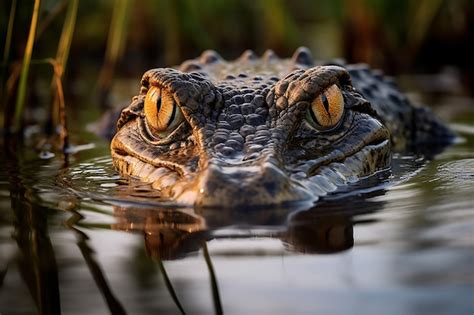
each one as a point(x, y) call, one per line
point(244, 141)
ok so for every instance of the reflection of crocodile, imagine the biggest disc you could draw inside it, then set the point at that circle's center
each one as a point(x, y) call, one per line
point(259, 131)
point(173, 233)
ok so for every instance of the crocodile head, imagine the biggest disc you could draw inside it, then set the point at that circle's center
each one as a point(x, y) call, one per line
point(255, 131)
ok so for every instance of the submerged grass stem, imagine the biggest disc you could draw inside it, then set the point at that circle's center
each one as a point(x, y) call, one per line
point(169, 286)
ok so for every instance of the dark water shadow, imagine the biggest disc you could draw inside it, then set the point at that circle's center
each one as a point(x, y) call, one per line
point(324, 228)
point(169, 234)
point(36, 260)
point(95, 269)
point(173, 233)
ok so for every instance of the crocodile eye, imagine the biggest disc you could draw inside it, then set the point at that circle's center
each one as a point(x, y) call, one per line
point(161, 111)
point(326, 110)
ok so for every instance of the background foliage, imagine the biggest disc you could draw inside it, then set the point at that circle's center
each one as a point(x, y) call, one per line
point(108, 39)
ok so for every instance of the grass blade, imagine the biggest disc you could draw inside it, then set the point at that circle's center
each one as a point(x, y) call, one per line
point(8, 40)
point(63, 135)
point(58, 110)
point(6, 54)
point(115, 45)
point(215, 289)
point(169, 286)
point(95, 269)
point(53, 13)
point(21, 94)
point(423, 17)
point(66, 35)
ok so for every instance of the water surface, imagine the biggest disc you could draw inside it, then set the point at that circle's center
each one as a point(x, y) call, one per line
point(76, 238)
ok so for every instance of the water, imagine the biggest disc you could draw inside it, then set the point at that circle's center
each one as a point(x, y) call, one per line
point(78, 239)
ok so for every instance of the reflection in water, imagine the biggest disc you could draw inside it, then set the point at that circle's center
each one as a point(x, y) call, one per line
point(36, 262)
point(88, 253)
point(171, 234)
point(169, 286)
point(168, 233)
point(314, 232)
point(174, 233)
point(427, 247)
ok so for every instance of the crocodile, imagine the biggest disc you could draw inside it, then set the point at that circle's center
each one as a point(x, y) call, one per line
point(261, 131)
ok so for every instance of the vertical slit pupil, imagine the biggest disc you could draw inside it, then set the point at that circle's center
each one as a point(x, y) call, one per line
point(158, 104)
point(173, 113)
point(325, 101)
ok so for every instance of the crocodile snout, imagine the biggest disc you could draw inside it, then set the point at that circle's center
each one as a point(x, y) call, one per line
point(237, 185)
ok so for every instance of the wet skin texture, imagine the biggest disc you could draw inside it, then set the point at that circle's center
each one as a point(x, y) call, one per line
point(245, 140)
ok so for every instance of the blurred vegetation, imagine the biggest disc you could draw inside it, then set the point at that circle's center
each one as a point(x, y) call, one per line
point(101, 40)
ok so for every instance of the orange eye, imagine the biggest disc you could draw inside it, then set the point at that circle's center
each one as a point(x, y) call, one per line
point(161, 111)
point(326, 110)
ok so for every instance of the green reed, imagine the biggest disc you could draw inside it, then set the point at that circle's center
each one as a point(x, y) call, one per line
point(58, 112)
point(58, 109)
point(115, 44)
point(6, 49)
point(21, 93)
point(67, 34)
point(8, 39)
